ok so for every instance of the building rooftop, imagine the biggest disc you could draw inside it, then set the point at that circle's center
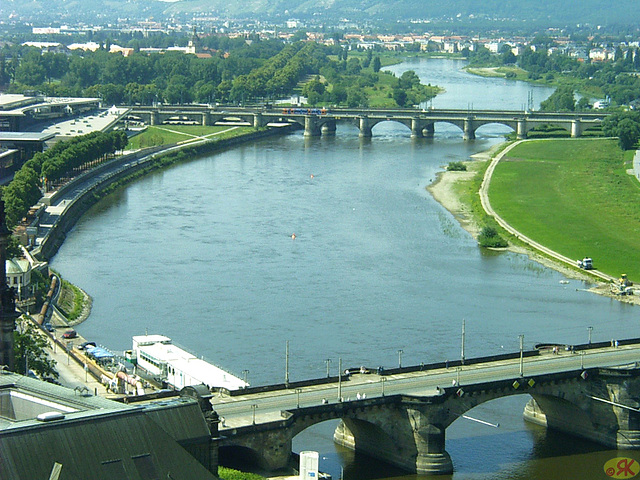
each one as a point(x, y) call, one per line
point(26, 136)
point(90, 437)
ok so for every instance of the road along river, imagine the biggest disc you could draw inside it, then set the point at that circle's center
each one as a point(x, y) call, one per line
point(378, 272)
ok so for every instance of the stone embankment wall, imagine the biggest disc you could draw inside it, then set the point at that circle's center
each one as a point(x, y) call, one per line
point(101, 179)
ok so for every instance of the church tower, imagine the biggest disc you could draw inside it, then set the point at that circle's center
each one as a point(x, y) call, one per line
point(7, 298)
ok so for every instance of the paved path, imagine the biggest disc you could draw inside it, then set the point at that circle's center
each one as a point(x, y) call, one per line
point(72, 374)
point(484, 199)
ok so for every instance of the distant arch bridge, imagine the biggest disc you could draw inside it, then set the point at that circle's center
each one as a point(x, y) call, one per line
point(321, 121)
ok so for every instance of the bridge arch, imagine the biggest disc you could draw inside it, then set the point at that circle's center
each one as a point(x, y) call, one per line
point(240, 457)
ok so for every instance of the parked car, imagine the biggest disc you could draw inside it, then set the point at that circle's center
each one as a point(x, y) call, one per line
point(84, 345)
point(48, 327)
point(70, 334)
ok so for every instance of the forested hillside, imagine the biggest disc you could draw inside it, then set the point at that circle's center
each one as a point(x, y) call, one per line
point(541, 12)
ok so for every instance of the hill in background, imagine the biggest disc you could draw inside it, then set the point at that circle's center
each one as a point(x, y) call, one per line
point(541, 12)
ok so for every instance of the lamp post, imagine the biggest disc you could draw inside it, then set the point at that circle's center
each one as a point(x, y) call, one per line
point(253, 407)
point(462, 349)
point(383, 381)
point(328, 362)
point(286, 364)
point(521, 355)
point(590, 330)
point(400, 352)
point(298, 390)
point(340, 379)
point(582, 352)
point(245, 375)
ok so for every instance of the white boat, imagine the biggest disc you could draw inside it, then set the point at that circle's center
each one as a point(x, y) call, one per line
point(157, 355)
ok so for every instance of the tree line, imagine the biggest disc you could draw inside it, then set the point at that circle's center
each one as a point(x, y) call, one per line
point(58, 162)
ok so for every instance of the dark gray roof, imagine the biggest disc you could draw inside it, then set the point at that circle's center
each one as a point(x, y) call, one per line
point(97, 438)
point(181, 418)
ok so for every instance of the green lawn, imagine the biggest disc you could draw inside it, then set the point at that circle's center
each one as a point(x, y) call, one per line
point(166, 134)
point(575, 197)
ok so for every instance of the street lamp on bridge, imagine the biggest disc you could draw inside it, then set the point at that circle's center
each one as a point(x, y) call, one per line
point(400, 352)
point(521, 355)
point(253, 407)
point(298, 390)
point(590, 330)
point(328, 362)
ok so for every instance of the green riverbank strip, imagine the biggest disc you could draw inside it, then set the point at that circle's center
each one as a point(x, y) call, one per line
point(575, 197)
point(182, 134)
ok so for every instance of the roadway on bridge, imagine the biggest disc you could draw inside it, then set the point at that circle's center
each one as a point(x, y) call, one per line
point(265, 407)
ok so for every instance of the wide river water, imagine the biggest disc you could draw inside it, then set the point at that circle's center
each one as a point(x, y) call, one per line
point(203, 252)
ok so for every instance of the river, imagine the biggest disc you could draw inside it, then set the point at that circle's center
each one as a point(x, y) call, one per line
point(203, 252)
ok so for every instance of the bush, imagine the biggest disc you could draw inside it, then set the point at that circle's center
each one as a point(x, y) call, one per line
point(229, 474)
point(456, 167)
point(490, 238)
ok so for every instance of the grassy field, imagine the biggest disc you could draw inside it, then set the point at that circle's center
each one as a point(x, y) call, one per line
point(166, 134)
point(575, 197)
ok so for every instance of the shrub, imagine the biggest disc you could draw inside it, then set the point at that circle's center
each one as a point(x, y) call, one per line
point(230, 474)
point(490, 238)
point(456, 167)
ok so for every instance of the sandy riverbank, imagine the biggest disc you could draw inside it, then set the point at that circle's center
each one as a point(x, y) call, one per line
point(444, 190)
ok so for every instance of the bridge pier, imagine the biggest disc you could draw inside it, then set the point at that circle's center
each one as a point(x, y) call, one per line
point(469, 131)
point(576, 128)
point(602, 407)
point(257, 120)
point(365, 127)
point(405, 436)
point(329, 128)
point(206, 119)
point(521, 131)
point(311, 128)
point(154, 118)
point(429, 131)
point(416, 127)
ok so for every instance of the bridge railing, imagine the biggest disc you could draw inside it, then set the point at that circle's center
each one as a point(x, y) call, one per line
point(382, 371)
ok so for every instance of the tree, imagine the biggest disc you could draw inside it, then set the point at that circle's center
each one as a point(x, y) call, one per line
point(561, 100)
point(353, 66)
point(400, 97)
point(409, 79)
point(30, 353)
point(625, 126)
point(377, 64)
point(628, 133)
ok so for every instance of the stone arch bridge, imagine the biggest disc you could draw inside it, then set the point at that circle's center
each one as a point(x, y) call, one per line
point(318, 122)
point(406, 424)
